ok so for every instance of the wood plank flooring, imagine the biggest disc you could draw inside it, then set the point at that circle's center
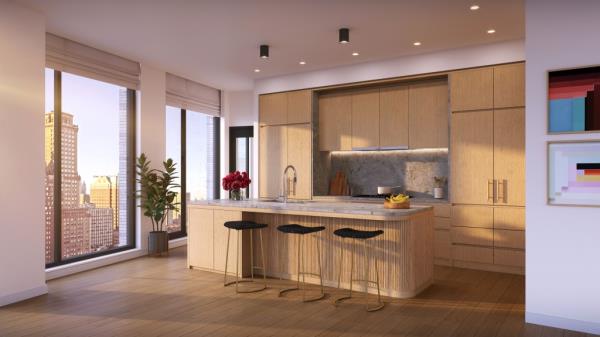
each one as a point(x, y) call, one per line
point(161, 297)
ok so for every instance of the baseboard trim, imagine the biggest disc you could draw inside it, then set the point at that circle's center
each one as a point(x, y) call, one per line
point(23, 295)
point(562, 323)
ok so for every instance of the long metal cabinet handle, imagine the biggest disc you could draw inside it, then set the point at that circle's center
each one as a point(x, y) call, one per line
point(502, 184)
point(491, 190)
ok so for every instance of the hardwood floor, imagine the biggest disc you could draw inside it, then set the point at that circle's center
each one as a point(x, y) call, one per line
point(161, 297)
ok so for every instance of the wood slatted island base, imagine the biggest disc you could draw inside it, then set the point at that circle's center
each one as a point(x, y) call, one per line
point(404, 252)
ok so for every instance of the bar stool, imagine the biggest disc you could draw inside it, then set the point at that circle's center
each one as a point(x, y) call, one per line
point(242, 226)
point(349, 233)
point(300, 231)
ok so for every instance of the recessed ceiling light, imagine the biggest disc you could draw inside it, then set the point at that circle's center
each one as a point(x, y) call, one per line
point(491, 31)
point(302, 63)
point(257, 70)
point(417, 43)
point(474, 7)
point(355, 54)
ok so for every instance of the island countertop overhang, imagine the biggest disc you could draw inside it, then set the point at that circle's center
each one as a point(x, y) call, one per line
point(353, 210)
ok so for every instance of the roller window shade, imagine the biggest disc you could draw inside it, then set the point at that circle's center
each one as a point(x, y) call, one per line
point(185, 94)
point(76, 58)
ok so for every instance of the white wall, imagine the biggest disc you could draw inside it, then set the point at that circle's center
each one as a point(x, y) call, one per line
point(563, 243)
point(22, 52)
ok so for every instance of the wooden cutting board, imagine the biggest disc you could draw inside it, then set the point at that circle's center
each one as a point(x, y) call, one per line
point(339, 184)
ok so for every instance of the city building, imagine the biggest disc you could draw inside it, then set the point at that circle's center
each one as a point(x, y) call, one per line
point(104, 193)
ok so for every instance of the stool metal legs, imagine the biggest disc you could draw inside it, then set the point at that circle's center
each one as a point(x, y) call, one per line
point(366, 280)
point(300, 266)
point(252, 266)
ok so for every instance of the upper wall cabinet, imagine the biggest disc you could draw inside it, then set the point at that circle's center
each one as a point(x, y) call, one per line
point(365, 119)
point(335, 124)
point(273, 109)
point(509, 85)
point(285, 108)
point(472, 89)
point(393, 116)
point(428, 114)
point(299, 106)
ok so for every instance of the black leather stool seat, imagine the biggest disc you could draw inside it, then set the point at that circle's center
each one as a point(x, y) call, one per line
point(242, 225)
point(356, 234)
point(299, 229)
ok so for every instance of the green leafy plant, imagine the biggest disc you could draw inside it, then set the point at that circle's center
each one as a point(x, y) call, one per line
point(440, 182)
point(156, 194)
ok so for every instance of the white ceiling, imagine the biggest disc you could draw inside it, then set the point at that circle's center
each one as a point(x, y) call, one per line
point(216, 42)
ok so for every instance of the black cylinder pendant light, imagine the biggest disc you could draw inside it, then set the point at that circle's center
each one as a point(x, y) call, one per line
point(264, 51)
point(344, 35)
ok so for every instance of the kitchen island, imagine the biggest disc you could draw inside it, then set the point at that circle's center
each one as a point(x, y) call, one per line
point(404, 252)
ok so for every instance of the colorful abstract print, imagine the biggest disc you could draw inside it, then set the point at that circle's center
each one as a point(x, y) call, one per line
point(574, 100)
point(574, 173)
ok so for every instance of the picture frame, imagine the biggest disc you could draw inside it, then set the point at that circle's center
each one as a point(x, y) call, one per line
point(570, 100)
point(573, 173)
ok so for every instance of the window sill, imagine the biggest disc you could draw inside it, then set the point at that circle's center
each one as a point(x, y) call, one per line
point(96, 262)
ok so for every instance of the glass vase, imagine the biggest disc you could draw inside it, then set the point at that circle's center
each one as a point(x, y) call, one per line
point(235, 195)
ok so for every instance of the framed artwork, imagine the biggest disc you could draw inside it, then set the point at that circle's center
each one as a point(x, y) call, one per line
point(574, 173)
point(574, 100)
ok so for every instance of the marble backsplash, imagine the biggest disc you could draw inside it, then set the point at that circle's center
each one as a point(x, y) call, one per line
point(412, 169)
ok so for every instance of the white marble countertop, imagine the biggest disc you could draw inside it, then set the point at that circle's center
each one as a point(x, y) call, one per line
point(372, 211)
point(347, 198)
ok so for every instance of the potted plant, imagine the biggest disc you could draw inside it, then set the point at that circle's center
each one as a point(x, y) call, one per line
point(157, 198)
point(438, 190)
point(234, 182)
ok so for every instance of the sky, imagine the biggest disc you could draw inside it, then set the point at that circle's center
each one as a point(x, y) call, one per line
point(95, 107)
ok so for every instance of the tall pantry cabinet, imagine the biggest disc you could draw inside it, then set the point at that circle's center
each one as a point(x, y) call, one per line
point(487, 163)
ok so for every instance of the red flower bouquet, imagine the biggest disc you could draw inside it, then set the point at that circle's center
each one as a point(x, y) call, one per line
point(234, 182)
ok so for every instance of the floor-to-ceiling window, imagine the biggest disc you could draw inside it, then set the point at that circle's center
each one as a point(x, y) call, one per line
point(192, 141)
point(241, 140)
point(89, 155)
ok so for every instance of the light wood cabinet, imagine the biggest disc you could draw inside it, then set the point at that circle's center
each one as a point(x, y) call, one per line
point(220, 240)
point(393, 116)
point(272, 159)
point(472, 253)
point(442, 248)
point(509, 85)
point(509, 239)
point(473, 236)
point(472, 216)
point(472, 163)
point(272, 109)
point(200, 235)
point(335, 122)
point(509, 156)
point(299, 106)
point(299, 154)
point(512, 218)
point(365, 119)
point(472, 89)
point(509, 257)
point(428, 114)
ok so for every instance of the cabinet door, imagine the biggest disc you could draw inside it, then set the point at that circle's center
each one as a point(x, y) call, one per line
point(472, 216)
point(299, 106)
point(472, 157)
point(428, 114)
point(335, 123)
point(365, 119)
point(509, 155)
point(509, 85)
point(272, 160)
point(220, 240)
point(393, 116)
point(299, 155)
point(272, 109)
point(472, 89)
point(200, 237)
point(442, 248)
point(509, 218)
